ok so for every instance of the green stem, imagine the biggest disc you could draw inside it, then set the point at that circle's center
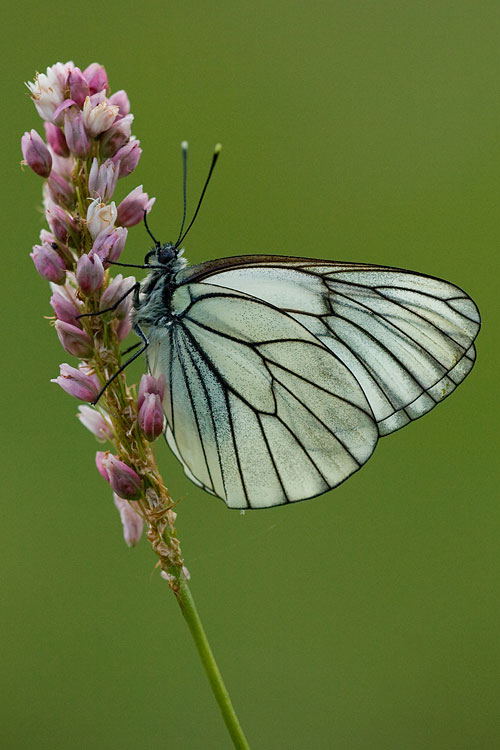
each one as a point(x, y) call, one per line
point(188, 608)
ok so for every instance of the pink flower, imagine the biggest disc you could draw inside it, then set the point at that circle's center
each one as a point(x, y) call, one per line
point(149, 385)
point(48, 263)
point(122, 327)
point(100, 217)
point(116, 136)
point(123, 480)
point(128, 157)
point(56, 139)
point(89, 273)
point(36, 153)
point(58, 116)
point(131, 209)
point(151, 416)
point(60, 72)
point(75, 133)
point(74, 340)
point(94, 421)
point(103, 179)
point(78, 86)
point(96, 77)
point(131, 520)
point(78, 384)
point(65, 305)
point(120, 99)
point(110, 246)
point(60, 190)
point(98, 118)
point(118, 287)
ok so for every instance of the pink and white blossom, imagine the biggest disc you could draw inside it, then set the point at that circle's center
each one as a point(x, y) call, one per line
point(78, 86)
point(123, 479)
point(60, 190)
point(150, 384)
point(121, 99)
point(74, 340)
point(101, 217)
point(110, 246)
point(117, 289)
point(128, 157)
point(74, 131)
point(55, 139)
point(116, 136)
point(98, 424)
point(89, 273)
point(48, 263)
point(65, 305)
point(151, 417)
point(96, 77)
point(98, 118)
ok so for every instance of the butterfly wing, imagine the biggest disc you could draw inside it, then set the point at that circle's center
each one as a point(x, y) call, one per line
point(406, 337)
point(259, 411)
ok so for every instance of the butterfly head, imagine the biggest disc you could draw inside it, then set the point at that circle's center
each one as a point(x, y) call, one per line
point(162, 255)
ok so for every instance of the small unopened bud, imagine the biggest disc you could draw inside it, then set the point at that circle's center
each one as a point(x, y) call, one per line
point(74, 131)
point(75, 340)
point(121, 100)
point(94, 421)
point(150, 384)
point(60, 190)
point(103, 179)
point(131, 520)
point(36, 153)
point(118, 287)
point(96, 78)
point(110, 246)
point(128, 157)
point(56, 139)
point(131, 210)
point(100, 217)
point(116, 136)
point(77, 383)
point(151, 416)
point(123, 480)
point(65, 306)
point(60, 222)
point(89, 273)
point(78, 86)
point(48, 263)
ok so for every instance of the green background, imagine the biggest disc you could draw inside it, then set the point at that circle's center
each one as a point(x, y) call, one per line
point(368, 617)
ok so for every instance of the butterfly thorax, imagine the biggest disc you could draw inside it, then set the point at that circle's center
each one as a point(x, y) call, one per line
point(155, 296)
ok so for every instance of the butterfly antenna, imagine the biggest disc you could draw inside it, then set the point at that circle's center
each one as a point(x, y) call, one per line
point(184, 147)
point(148, 230)
point(217, 151)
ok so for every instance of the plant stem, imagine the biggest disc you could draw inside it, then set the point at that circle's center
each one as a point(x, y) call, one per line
point(188, 608)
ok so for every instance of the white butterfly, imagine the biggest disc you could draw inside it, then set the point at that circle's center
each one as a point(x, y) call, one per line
point(282, 372)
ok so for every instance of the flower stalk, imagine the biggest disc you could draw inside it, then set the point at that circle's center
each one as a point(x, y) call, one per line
point(88, 148)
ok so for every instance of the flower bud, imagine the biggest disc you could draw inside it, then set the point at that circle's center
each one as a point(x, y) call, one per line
point(122, 327)
point(120, 99)
point(123, 480)
point(117, 288)
point(60, 72)
point(64, 107)
point(77, 383)
point(131, 210)
point(48, 263)
point(74, 340)
point(103, 179)
point(128, 157)
point(78, 86)
point(75, 133)
point(131, 520)
point(94, 421)
point(89, 273)
point(116, 136)
point(98, 118)
point(110, 246)
point(100, 217)
point(36, 153)
point(150, 385)
point(60, 190)
point(65, 306)
point(96, 77)
point(60, 222)
point(151, 416)
point(56, 139)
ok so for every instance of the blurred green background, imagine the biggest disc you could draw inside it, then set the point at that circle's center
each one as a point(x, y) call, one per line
point(368, 617)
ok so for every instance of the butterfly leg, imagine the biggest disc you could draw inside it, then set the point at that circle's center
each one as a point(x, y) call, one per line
point(145, 344)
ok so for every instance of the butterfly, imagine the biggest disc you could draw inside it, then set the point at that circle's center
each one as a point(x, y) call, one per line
point(282, 373)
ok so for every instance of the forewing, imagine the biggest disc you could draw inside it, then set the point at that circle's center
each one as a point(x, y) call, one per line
point(406, 337)
point(259, 411)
